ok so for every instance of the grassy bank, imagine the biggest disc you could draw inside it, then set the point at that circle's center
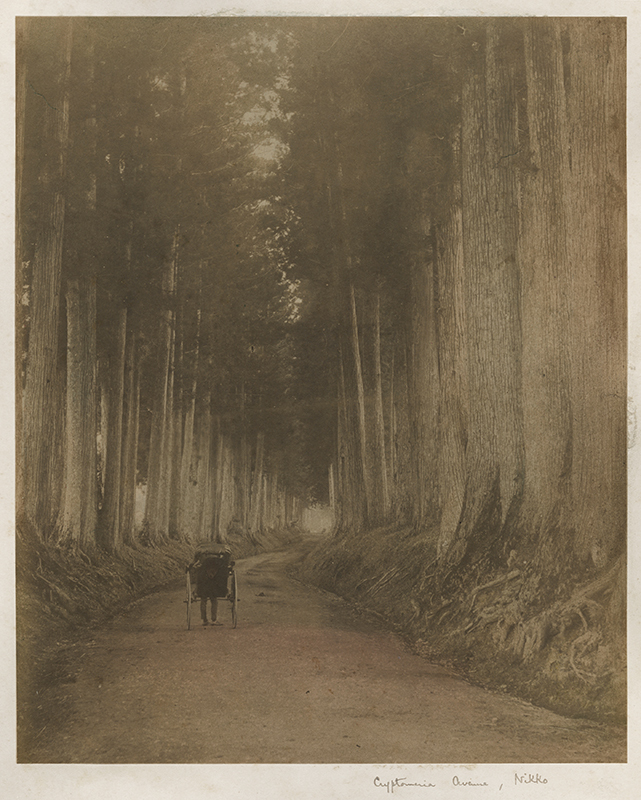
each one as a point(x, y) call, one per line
point(560, 652)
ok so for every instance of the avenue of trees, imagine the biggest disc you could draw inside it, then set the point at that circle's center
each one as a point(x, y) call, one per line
point(474, 183)
point(374, 263)
point(154, 311)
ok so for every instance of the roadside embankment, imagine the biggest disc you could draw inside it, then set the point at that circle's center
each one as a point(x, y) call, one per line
point(503, 628)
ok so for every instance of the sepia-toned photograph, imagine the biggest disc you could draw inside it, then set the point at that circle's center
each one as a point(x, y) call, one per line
point(321, 392)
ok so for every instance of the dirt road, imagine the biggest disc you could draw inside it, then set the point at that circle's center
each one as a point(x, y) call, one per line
point(304, 678)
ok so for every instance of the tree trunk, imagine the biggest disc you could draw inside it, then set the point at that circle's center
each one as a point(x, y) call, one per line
point(78, 514)
point(545, 282)
point(453, 360)
point(175, 466)
point(245, 480)
point(596, 104)
point(21, 287)
point(110, 532)
point(227, 490)
point(424, 376)
point(167, 500)
point(204, 484)
point(43, 403)
point(360, 400)
point(332, 487)
point(188, 437)
point(264, 508)
point(257, 485)
point(379, 416)
point(494, 452)
point(392, 434)
point(131, 425)
point(219, 486)
point(158, 444)
point(351, 494)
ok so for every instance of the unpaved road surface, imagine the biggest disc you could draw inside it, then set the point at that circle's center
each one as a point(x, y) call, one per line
point(304, 678)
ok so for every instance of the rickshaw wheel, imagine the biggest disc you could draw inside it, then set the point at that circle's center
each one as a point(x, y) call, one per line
point(234, 600)
point(188, 601)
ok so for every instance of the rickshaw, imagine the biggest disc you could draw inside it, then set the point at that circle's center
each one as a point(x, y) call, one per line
point(206, 555)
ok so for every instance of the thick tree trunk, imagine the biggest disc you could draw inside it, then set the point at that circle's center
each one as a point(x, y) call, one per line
point(157, 442)
point(103, 416)
point(175, 463)
point(404, 438)
point(245, 480)
point(131, 426)
point(219, 485)
point(358, 487)
point(392, 435)
point(257, 485)
point(186, 465)
point(188, 439)
point(545, 283)
point(78, 514)
point(453, 361)
point(268, 509)
point(243, 499)
point(412, 486)
point(494, 452)
point(110, 532)
point(331, 487)
point(352, 498)
point(156, 511)
point(204, 484)
point(360, 404)
point(379, 428)
point(43, 400)
point(424, 375)
point(273, 501)
point(168, 452)
point(596, 104)
point(22, 36)
point(227, 494)
point(264, 499)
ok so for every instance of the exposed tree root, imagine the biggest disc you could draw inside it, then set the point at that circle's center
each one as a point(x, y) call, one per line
point(384, 579)
point(504, 579)
point(588, 639)
point(527, 637)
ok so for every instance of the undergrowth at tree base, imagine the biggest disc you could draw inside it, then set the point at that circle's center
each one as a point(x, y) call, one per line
point(504, 629)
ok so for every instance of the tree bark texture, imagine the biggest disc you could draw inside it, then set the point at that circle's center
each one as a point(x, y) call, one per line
point(494, 453)
point(544, 256)
point(379, 426)
point(79, 507)
point(43, 399)
point(360, 404)
point(596, 105)
point(110, 530)
point(453, 347)
point(131, 428)
point(257, 484)
point(424, 372)
point(155, 511)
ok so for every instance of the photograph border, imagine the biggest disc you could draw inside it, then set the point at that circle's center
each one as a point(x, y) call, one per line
point(584, 781)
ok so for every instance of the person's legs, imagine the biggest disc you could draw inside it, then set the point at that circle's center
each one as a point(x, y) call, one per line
point(203, 610)
point(214, 609)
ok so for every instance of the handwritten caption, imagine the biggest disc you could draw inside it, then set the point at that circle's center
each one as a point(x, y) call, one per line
point(402, 783)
